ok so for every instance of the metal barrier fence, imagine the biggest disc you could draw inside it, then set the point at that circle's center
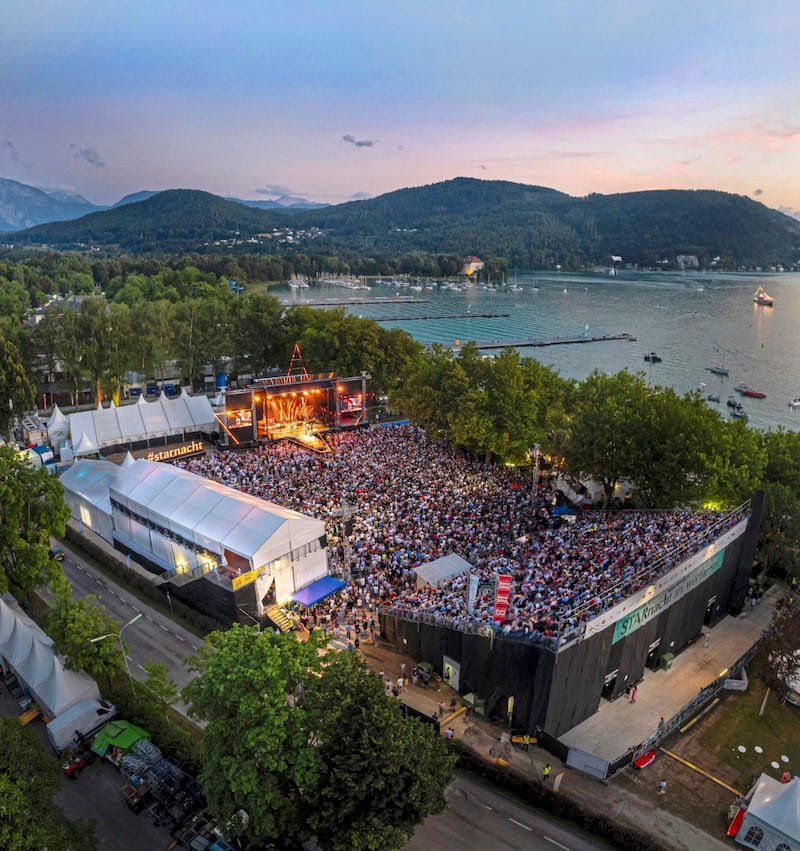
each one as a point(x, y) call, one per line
point(602, 769)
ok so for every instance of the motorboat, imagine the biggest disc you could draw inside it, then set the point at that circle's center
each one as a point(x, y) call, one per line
point(746, 390)
point(762, 298)
point(795, 403)
point(701, 387)
point(712, 397)
point(733, 402)
point(739, 412)
point(652, 357)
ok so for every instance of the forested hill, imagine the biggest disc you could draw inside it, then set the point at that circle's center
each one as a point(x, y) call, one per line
point(172, 221)
point(535, 227)
point(530, 226)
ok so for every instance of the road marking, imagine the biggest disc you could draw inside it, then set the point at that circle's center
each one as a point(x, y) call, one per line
point(142, 669)
point(178, 637)
point(556, 843)
point(163, 627)
point(520, 824)
point(195, 647)
point(149, 618)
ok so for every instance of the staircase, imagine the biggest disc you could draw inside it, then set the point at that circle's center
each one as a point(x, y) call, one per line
point(279, 619)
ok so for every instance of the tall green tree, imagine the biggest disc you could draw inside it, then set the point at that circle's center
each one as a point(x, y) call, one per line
point(17, 393)
point(73, 623)
point(309, 744)
point(94, 328)
point(32, 508)
point(356, 801)
point(777, 658)
point(600, 440)
point(29, 778)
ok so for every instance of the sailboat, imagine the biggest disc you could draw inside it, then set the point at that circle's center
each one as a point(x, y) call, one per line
point(719, 369)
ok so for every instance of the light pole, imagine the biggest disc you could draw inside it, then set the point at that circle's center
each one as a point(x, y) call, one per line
point(118, 636)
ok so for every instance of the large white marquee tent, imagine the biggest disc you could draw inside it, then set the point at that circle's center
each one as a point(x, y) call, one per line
point(192, 527)
point(143, 421)
point(29, 652)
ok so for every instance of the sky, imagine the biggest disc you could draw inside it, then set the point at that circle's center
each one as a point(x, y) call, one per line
point(339, 99)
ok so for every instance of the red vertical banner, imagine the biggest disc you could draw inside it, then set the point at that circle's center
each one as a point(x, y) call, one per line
point(501, 597)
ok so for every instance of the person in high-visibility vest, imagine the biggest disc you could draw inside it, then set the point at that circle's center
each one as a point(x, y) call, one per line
point(546, 771)
point(526, 740)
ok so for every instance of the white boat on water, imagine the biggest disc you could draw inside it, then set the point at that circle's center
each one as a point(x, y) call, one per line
point(795, 403)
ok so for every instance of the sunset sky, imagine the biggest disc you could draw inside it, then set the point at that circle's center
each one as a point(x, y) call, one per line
point(335, 99)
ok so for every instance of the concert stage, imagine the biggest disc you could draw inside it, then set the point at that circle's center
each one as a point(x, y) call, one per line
point(301, 408)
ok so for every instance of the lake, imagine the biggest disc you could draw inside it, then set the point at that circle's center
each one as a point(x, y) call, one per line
point(691, 321)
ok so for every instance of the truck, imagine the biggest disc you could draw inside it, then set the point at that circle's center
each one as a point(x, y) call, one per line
point(79, 722)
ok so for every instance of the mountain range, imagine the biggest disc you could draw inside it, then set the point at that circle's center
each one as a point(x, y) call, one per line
point(529, 226)
point(23, 206)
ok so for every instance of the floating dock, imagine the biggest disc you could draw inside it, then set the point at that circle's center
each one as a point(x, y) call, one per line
point(535, 342)
point(471, 315)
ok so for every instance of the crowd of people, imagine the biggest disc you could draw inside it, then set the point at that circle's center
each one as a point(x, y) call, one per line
point(412, 501)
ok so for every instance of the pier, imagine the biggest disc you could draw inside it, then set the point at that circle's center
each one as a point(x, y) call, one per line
point(344, 302)
point(534, 342)
point(472, 314)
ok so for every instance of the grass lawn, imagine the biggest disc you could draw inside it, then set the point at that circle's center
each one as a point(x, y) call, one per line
point(712, 744)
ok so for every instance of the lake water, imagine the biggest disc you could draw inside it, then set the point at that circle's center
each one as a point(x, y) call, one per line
point(691, 321)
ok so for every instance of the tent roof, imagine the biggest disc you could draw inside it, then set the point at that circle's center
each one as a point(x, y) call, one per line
point(29, 651)
point(777, 805)
point(164, 416)
point(58, 424)
point(90, 480)
point(213, 515)
point(435, 572)
point(85, 445)
point(318, 590)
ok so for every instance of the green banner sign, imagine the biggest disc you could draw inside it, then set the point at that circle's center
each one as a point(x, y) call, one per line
point(663, 600)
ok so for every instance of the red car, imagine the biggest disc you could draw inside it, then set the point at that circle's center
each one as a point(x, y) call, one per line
point(75, 762)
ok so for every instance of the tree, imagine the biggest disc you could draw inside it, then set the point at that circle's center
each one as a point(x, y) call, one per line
point(73, 623)
point(257, 754)
point(356, 801)
point(159, 690)
point(308, 744)
point(29, 821)
point(32, 508)
point(777, 658)
point(600, 440)
point(17, 393)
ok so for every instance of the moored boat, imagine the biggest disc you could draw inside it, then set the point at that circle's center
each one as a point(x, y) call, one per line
point(712, 397)
point(762, 297)
point(754, 394)
point(739, 412)
point(795, 403)
point(652, 357)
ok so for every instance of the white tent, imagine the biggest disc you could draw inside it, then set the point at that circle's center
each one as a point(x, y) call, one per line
point(161, 418)
point(85, 446)
point(86, 493)
point(169, 515)
point(435, 572)
point(773, 815)
point(57, 426)
point(30, 653)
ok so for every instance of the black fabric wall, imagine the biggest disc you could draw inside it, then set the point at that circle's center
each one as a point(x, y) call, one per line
point(493, 670)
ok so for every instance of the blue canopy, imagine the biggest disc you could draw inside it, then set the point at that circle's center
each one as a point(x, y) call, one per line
point(318, 590)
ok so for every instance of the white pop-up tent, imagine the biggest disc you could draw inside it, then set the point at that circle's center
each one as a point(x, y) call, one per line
point(434, 573)
point(772, 819)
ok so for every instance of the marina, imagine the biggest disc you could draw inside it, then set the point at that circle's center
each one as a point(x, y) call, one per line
point(692, 321)
point(533, 342)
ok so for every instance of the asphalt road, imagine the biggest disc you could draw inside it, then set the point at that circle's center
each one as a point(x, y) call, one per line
point(152, 638)
point(479, 816)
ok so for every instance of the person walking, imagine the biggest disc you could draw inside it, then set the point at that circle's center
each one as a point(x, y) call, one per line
point(526, 740)
point(414, 675)
point(546, 772)
point(661, 724)
point(633, 694)
point(662, 787)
